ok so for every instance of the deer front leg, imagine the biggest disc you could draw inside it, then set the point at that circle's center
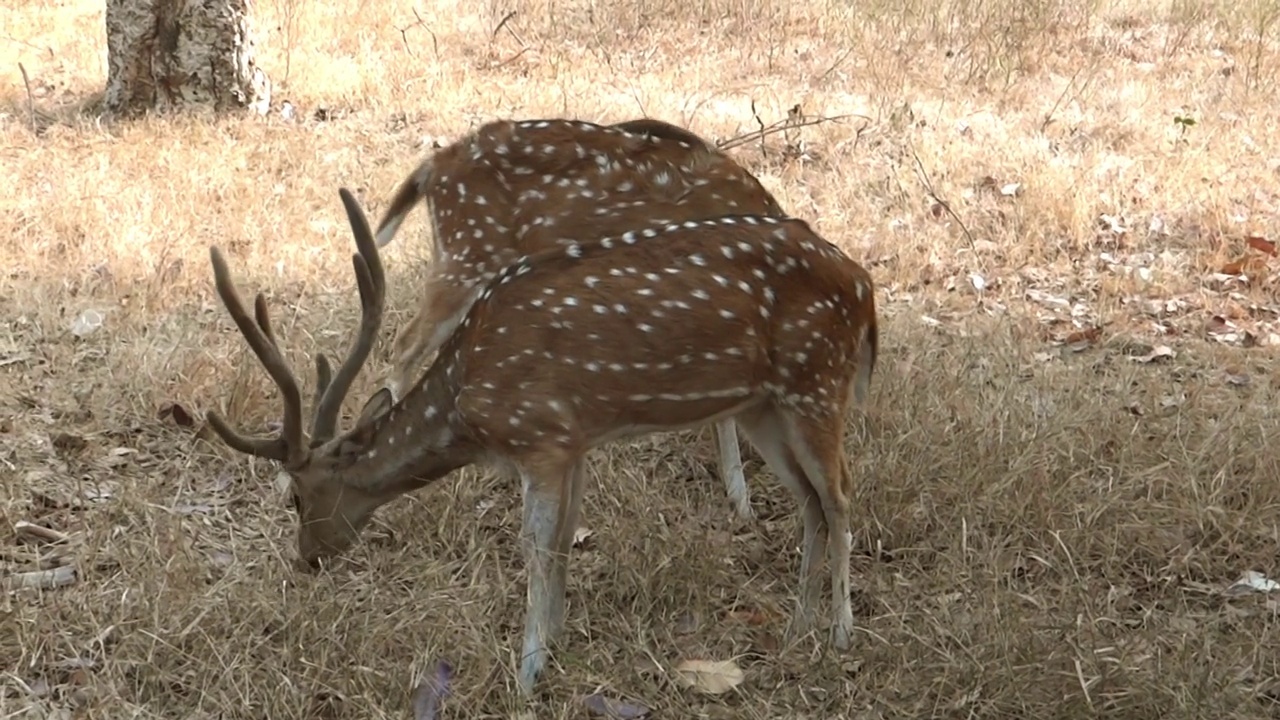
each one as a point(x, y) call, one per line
point(550, 516)
point(735, 482)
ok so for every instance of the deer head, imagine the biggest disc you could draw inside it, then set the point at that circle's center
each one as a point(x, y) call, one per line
point(332, 502)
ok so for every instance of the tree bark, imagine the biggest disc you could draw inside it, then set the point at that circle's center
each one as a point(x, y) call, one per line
point(177, 54)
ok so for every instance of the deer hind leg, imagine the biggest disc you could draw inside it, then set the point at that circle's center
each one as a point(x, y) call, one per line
point(566, 528)
point(552, 494)
point(735, 482)
point(766, 430)
point(817, 444)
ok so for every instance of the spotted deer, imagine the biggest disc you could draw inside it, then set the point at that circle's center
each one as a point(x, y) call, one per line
point(506, 189)
point(595, 340)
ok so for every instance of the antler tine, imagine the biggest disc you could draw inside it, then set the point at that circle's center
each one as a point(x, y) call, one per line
point(287, 447)
point(372, 284)
point(324, 375)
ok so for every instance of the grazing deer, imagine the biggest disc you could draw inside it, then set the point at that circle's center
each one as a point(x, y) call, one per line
point(506, 190)
point(667, 327)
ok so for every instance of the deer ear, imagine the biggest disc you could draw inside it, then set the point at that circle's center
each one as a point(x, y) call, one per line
point(375, 407)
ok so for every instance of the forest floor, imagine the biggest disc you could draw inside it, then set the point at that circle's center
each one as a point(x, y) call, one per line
point(1065, 468)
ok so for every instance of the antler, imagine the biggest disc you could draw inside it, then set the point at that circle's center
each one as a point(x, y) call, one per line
point(289, 446)
point(372, 284)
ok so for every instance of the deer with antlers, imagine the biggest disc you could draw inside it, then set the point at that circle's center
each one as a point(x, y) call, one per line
point(595, 340)
point(506, 189)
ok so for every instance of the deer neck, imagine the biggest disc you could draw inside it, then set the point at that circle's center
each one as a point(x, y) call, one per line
point(419, 440)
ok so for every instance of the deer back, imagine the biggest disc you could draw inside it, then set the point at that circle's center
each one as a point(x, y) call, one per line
point(511, 188)
point(527, 176)
point(658, 329)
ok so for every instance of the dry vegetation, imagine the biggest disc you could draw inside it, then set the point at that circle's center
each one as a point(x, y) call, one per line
point(1067, 458)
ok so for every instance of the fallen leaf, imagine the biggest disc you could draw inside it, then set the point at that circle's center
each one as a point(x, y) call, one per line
point(1089, 334)
point(27, 531)
point(1011, 189)
point(749, 617)
point(1261, 244)
point(1159, 352)
point(86, 323)
point(1112, 223)
point(67, 441)
point(713, 677)
point(610, 708)
point(179, 414)
point(1157, 226)
point(1235, 267)
point(431, 692)
point(581, 535)
point(283, 482)
point(1252, 581)
point(687, 624)
point(43, 579)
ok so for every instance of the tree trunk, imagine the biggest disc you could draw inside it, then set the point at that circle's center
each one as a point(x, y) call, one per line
point(176, 54)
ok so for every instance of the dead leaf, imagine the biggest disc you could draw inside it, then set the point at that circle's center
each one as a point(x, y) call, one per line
point(1251, 582)
point(86, 323)
point(43, 579)
point(119, 456)
point(1159, 352)
point(687, 623)
point(1011, 189)
point(713, 677)
point(750, 617)
point(429, 696)
point(1113, 224)
point(283, 482)
point(1261, 244)
point(581, 535)
point(1235, 267)
point(1224, 331)
point(610, 708)
point(31, 532)
point(179, 414)
point(69, 442)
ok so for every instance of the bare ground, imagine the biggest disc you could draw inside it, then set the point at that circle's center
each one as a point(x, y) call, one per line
point(1067, 460)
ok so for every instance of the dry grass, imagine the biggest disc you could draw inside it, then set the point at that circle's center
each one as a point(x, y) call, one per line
point(1046, 529)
